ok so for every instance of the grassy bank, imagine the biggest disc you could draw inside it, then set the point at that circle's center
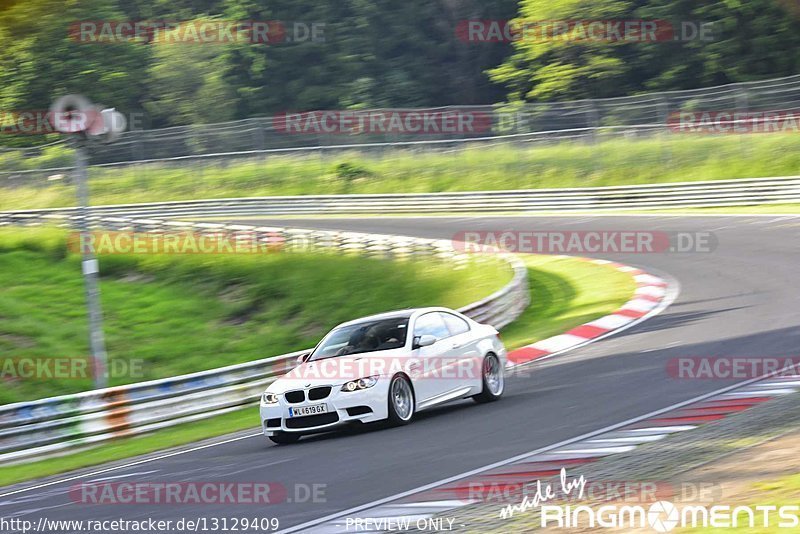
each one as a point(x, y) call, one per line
point(564, 293)
point(169, 315)
point(669, 158)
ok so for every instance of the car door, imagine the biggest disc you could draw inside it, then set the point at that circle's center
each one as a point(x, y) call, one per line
point(427, 361)
point(464, 354)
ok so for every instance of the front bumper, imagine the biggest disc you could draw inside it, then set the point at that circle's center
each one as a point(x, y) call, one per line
point(275, 417)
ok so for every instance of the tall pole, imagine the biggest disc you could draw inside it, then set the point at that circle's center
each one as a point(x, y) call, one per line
point(90, 269)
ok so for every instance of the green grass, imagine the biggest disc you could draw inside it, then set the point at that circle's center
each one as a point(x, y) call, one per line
point(177, 314)
point(668, 158)
point(564, 293)
point(777, 209)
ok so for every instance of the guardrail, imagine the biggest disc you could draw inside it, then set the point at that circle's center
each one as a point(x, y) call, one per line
point(30, 430)
point(635, 197)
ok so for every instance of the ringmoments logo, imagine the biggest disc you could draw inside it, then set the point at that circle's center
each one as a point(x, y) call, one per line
point(659, 516)
point(664, 516)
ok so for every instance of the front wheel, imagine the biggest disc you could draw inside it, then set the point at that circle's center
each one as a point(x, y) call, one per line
point(493, 380)
point(401, 401)
point(284, 438)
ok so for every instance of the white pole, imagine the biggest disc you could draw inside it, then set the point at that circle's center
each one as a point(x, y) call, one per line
point(91, 271)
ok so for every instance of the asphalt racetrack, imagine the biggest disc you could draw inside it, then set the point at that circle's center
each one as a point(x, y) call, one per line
point(740, 299)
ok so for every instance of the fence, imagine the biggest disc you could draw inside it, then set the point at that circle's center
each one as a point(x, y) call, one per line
point(30, 430)
point(639, 115)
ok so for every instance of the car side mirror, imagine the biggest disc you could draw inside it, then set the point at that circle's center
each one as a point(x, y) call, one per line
point(303, 357)
point(425, 341)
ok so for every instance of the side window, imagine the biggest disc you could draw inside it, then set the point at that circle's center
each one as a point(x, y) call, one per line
point(431, 324)
point(456, 325)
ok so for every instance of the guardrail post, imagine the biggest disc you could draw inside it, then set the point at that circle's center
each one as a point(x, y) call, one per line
point(743, 106)
point(260, 141)
point(664, 143)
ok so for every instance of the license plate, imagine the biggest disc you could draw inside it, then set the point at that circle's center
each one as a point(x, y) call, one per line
point(308, 410)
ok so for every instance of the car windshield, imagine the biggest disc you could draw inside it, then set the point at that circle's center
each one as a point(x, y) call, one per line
point(369, 336)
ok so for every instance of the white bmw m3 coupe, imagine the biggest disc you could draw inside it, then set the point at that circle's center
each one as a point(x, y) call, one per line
point(385, 367)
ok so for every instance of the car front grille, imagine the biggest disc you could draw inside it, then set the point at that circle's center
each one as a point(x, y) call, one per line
point(295, 396)
point(319, 393)
point(312, 420)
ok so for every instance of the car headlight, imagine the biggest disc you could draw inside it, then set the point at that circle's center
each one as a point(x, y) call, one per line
point(269, 398)
point(361, 383)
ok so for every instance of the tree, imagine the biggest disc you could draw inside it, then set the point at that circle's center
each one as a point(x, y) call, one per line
point(750, 40)
point(41, 59)
point(186, 84)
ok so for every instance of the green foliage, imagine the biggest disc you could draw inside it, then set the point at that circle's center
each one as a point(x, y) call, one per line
point(748, 40)
point(50, 157)
point(187, 86)
point(41, 59)
point(667, 158)
point(351, 171)
point(376, 53)
point(372, 54)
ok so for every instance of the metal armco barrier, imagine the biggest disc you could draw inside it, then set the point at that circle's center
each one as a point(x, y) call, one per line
point(31, 430)
point(637, 197)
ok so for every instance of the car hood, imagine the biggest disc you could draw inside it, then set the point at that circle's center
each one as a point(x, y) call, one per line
point(341, 369)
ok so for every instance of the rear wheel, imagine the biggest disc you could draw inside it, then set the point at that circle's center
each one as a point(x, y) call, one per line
point(285, 438)
point(493, 380)
point(401, 401)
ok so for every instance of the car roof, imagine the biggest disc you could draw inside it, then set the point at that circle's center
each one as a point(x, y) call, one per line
point(397, 314)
